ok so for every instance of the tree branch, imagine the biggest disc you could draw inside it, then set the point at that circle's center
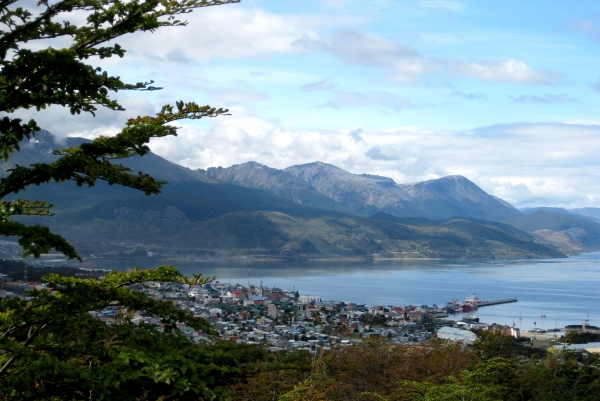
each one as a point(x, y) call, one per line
point(52, 10)
point(30, 338)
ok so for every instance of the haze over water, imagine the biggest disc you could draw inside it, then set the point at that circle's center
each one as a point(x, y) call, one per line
point(566, 291)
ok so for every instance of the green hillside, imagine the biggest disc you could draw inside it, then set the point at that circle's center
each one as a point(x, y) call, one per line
point(572, 234)
point(163, 227)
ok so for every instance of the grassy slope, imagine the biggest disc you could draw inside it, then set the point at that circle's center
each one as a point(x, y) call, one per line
point(283, 234)
point(568, 232)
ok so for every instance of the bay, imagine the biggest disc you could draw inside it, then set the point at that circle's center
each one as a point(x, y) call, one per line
point(564, 291)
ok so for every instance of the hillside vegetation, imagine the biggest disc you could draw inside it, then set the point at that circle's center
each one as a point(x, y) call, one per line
point(494, 368)
point(570, 233)
point(188, 228)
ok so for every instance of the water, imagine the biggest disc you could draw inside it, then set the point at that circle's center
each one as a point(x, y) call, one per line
point(566, 291)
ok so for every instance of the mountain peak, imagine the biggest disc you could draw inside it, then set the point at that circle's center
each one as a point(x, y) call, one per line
point(452, 186)
point(456, 195)
point(277, 182)
point(317, 165)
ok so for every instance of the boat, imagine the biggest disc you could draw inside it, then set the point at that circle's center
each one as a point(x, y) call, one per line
point(470, 304)
point(473, 299)
point(453, 306)
point(470, 318)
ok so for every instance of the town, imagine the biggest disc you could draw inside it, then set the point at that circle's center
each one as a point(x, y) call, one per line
point(286, 320)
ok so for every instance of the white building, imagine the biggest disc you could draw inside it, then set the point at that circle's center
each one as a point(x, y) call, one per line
point(458, 335)
point(307, 299)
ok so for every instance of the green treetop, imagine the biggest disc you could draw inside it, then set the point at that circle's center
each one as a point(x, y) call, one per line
point(50, 76)
point(51, 345)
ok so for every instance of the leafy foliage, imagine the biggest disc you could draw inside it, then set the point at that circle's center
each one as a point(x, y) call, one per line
point(52, 346)
point(380, 370)
point(61, 77)
point(578, 337)
point(479, 384)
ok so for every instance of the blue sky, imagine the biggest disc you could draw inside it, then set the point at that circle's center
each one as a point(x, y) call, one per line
point(505, 93)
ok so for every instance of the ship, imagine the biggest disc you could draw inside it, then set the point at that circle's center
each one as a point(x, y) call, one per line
point(470, 304)
point(473, 299)
point(454, 306)
point(470, 318)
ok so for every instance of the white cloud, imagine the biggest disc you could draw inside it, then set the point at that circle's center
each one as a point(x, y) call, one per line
point(175, 56)
point(501, 71)
point(260, 34)
point(59, 121)
point(360, 48)
point(228, 32)
point(405, 65)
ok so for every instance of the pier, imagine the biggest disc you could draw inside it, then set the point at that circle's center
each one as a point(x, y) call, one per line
point(498, 302)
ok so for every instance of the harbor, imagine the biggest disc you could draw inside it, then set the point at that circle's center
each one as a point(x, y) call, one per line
point(472, 303)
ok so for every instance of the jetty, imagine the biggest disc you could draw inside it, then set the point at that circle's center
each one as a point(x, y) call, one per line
point(497, 302)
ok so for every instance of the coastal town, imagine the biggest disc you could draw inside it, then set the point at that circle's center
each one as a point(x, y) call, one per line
point(287, 320)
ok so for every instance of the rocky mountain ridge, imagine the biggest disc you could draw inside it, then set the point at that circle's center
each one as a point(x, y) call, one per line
point(369, 194)
point(276, 182)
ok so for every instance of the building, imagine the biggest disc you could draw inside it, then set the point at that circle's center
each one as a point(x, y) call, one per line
point(272, 311)
point(238, 294)
point(308, 299)
point(457, 335)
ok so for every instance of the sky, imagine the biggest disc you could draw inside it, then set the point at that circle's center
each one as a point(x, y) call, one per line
point(505, 93)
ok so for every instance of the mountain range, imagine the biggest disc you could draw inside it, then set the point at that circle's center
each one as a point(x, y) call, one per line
point(369, 194)
point(310, 210)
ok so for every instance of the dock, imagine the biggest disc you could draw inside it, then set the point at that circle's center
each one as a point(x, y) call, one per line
point(497, 302)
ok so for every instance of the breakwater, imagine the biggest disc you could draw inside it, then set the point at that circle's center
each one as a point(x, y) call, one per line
point(497, 302)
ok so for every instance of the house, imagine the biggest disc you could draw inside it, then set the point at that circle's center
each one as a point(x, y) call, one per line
point(511, 331)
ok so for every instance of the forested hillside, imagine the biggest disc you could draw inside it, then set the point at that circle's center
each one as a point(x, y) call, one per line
point(494, 368)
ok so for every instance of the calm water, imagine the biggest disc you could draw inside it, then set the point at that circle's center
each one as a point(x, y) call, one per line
point(566, 291)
